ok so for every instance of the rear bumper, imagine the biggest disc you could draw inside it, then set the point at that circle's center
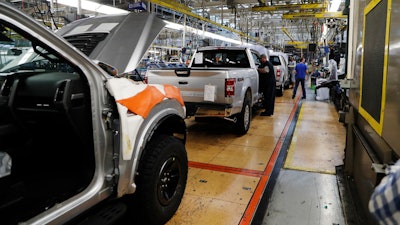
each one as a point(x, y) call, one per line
point(208, 109)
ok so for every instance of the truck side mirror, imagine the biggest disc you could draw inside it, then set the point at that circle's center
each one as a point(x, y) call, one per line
point(109, 69)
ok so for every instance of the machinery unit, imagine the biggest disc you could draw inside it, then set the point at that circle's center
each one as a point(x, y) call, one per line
point(373, 121)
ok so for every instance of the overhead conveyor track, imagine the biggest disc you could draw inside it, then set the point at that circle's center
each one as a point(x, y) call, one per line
point(254, 22)
point(173, 5)
point(287, 7)
point(318, 15)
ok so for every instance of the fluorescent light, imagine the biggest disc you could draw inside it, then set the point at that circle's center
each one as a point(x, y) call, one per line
point(335, 5)
point(176, 26)
point(93, 6)
point(222, 38)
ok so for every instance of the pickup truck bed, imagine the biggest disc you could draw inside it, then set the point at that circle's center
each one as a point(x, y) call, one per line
point(220, 82)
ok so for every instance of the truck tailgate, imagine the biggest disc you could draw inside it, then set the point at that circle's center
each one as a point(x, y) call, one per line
point(192, 86)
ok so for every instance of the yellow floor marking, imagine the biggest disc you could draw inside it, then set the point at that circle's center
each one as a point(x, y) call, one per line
point(318, 140)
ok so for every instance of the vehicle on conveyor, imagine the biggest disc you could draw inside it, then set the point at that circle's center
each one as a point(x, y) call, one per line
point(219, 82)
point(280, 62)
point(79, 144)
point(373, 121)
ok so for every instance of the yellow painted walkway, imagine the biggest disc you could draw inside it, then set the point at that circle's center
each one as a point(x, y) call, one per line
point(319, 139)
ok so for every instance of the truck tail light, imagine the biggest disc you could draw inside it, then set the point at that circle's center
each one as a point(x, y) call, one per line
point(278, 72)
point(230, 87)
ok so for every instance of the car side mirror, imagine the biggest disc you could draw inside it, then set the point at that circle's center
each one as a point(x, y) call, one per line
point(109, 69)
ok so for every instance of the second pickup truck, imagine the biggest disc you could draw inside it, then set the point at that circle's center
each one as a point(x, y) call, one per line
point(219, 82)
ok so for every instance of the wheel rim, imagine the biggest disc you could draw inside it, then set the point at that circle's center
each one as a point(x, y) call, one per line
point(246, 117)
point(168, 180)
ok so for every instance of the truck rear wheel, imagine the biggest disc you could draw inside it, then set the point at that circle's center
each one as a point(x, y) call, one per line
point(287, 84)
point(162, 179)
point(242, 124)
point(279, 91)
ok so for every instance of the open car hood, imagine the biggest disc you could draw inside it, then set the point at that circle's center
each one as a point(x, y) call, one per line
point(117, 40)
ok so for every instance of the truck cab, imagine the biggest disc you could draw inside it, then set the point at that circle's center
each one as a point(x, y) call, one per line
point(76, 136)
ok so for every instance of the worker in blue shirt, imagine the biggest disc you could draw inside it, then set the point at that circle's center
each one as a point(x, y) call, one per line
point(301, 72)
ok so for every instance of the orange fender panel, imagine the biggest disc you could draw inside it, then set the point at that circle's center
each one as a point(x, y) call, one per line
point(142, 103)
point(173, 92)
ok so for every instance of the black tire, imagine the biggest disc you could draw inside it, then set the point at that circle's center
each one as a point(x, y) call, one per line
point(279, 91)
point(161, 180)
point(287, 84)
point(242, 124)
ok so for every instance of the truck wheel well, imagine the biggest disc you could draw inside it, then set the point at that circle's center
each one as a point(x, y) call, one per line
point(172, 125)
point(248, 92)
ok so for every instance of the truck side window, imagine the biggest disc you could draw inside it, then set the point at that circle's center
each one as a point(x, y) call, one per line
point(20, 52)
point(256, 58)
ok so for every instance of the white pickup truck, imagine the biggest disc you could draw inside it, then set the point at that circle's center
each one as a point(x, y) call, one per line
point(219, 82)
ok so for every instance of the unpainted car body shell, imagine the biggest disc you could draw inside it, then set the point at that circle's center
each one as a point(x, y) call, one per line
point(101, 186)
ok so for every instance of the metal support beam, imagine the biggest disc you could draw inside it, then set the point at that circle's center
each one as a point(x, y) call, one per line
point(170, 4)
point(321, 6)
point(298, 44)
point(287, 33)
point(320, 15)
point(187, 11)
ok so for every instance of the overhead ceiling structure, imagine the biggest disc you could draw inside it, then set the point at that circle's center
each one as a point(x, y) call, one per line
point(272, 23)
point(275, 22)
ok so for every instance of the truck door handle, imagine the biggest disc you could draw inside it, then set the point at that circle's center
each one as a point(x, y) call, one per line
point(182, 82)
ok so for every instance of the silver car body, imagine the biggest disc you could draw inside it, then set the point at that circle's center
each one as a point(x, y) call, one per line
point(102, 185)
point(193, 86)
point(280, 62)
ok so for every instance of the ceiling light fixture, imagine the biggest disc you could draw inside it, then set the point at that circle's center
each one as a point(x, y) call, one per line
point(335, 4)
point(93, 6)
point(104, 9)
point(176, 26)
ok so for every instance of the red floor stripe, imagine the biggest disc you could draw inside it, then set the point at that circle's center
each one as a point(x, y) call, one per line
point(255, 199)
point(227, 169)
point(264, 175)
